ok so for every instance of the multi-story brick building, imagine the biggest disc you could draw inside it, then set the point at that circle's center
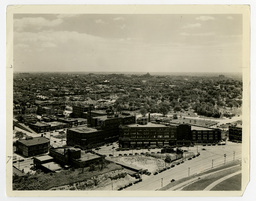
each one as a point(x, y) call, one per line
point(205, 135)
point(100, 130)
point(32, 146)
point(235, 133)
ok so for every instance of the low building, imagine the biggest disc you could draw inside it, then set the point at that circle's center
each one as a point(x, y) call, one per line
point(74, 157)
point(51, 167)
point(40, 127)
point(235, 133)
point(56, 125)
point(38, 161)
point(32, 146)
point(84, 136)
point(71, 122)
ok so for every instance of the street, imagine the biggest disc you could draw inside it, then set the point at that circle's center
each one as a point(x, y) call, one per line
point(212, 156)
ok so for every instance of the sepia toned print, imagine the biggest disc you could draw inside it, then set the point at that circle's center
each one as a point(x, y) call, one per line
point(121, 102)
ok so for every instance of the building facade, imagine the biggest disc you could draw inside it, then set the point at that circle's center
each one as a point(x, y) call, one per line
point(205, 135)
point(235, 133)
point(32, 146)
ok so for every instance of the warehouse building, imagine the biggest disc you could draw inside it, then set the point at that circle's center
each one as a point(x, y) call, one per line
point(235, 133)
point(74, 157)
point(205, 135)
point(32, 146)
point(100, 130)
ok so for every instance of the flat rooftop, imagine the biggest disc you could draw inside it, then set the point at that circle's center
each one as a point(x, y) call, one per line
point(44, 158)
point(55, 123)
point(34, 141)
point(83, 129)
point(61, 150)
point(52, 166)
point(68, 119)
point(200, 128)
point(40, 124)
point(149, 124)
point(87, 156)
point(99, 111)
point(111, 117)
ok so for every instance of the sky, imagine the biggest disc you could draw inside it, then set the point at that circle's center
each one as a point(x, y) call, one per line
point(127, 43)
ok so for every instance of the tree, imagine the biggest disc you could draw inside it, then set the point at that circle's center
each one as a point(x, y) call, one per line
point(143, 111)
point(168, 159)
point(19, 134)
point(164, 108)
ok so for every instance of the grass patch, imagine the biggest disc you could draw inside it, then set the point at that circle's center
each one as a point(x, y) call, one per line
point(204, 182)
point(231, 184)
point(44, 181)
point(170, 185)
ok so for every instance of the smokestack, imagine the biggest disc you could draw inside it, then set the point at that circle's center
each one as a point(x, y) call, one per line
point(149, 117)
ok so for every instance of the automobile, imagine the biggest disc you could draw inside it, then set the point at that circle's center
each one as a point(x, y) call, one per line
point(110, 154)
point(194, 156)
point(172, 165)
point(125, 154)
point(136, 154)
point(177, 163)
point(120, 155)
point(182, 162)
point(198, 154)
point(203, 149)
point(204, 145)
point(189, 158)
point(113, 147)
point(173, 180)
point(130, 154)
point(148, 173)
point(155, 173)
point(118, 149)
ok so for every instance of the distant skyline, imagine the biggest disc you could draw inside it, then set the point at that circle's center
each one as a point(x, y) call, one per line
point(127, 43)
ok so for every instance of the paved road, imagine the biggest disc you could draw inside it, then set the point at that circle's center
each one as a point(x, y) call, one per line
point(212, 155)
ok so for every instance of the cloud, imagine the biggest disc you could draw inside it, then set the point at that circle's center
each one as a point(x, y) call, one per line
point(99, 21)
point(36, 22)
point(22, 45)
point(197, 34)
point(191, 26)
point(118, 19)
point(123, 26)
point(205, 18)
point(61, 16)
point(49, 39)
point(48, 44)
point(230, 18)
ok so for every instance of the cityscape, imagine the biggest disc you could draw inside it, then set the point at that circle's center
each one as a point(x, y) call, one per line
point(79, 131)
point(122, 103)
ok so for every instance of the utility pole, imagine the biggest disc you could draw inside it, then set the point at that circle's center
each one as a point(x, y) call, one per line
point(188, 171)
point(162, 182)
point(225, 159)
point(234, 155)
point(212, 163)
